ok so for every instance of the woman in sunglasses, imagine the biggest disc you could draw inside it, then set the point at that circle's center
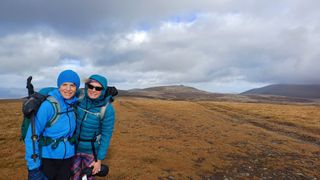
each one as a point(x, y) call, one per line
point(95, 122)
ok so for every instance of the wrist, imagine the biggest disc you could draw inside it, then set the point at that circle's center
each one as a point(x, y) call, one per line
point(98, 162)
point(35, 169)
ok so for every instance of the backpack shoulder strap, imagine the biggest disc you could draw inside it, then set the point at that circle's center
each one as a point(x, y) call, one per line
point(103, 111)
point(56, 108)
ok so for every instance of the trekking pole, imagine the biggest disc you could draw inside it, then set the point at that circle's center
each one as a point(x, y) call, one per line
point(34, 137)
point(30, 86)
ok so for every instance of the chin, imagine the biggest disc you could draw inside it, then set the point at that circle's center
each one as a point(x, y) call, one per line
point(93, 97)
point(67, 96)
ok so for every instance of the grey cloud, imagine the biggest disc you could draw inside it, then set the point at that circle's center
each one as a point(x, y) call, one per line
point(76, 16)
point(223, 41)
point(254, 50)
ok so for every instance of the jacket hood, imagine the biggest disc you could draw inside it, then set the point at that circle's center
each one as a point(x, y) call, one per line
point(104, 83)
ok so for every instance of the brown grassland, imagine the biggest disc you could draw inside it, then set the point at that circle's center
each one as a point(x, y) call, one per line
point(162, 139)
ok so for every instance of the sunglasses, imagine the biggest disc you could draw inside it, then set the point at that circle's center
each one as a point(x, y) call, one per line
point(95, 87)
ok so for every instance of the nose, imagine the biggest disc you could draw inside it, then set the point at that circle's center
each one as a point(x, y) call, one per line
point(69, 87)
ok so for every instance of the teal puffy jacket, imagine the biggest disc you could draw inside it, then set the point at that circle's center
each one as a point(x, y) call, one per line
point(90, 126)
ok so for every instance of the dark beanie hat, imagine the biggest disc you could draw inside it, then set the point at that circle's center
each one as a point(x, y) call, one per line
point(68, 76)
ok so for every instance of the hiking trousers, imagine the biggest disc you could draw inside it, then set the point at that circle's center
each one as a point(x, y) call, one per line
point(81, 161)
point(57, 169)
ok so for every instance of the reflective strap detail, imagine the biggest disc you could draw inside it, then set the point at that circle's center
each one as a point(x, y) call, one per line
point(89, 112)
point(98, 138)
point(100, 114)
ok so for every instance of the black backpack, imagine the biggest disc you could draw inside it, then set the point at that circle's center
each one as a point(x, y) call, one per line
point(30, 108)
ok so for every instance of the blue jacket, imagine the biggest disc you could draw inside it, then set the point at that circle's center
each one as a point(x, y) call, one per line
point(90, 125)
point(64, 127)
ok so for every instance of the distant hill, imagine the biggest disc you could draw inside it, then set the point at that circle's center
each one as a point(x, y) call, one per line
point(288, 90)
point(181, 92)
point(176, 92)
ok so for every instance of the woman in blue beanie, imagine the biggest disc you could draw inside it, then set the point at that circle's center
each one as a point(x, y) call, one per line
point(55, 146)
point(95, 122)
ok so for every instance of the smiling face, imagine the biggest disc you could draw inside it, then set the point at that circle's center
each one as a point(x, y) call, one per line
point(94, 90)
point(67, 90)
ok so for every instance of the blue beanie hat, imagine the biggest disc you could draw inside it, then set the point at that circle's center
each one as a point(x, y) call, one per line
point(68, 76)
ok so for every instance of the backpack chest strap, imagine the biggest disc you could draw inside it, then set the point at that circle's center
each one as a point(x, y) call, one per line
point(98, 114)
point(89, 112)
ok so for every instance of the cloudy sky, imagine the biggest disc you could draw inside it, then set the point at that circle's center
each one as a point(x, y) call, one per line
point(225, 46)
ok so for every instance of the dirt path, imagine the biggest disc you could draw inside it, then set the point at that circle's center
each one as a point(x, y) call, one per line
point(303, 134)
point(279, 154)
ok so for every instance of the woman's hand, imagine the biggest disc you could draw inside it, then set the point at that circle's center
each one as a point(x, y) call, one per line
point(96, 167)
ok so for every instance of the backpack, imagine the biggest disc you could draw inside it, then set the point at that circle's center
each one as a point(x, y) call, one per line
point(30, 108)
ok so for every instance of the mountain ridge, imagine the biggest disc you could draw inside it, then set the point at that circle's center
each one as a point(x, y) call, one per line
point(181, 92)
point(309, 91)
